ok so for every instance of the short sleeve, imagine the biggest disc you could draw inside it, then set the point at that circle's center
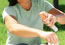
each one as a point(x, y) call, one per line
point(8, 11)
point(48, 6)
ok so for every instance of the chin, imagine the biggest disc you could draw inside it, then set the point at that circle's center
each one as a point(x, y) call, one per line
point(27, 9)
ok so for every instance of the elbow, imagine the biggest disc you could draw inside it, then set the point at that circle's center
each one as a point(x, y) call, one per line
point(12, 29)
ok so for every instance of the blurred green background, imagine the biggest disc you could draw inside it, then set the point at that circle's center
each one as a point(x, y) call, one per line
point(3, 31)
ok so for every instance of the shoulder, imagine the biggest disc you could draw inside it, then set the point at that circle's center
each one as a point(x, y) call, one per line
point(12, 8)
point(7, 8)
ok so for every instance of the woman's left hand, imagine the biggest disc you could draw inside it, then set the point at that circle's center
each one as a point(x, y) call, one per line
point(50, 20)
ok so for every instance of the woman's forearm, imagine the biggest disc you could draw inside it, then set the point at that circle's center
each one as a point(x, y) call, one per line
point(60, 18)
point(59, 15)
point(24, 31)
point(55, 11)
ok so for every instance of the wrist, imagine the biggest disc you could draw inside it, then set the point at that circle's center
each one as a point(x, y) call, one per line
point(41, 33)
point(57, 18)
point(37, 31)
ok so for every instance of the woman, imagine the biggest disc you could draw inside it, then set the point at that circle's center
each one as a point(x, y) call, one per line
point(24, 24)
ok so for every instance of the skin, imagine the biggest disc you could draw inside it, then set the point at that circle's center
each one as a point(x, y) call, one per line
point(60, 16)
point(49, 20)
point(20, 29)
point(55, 16)
point(26, 4)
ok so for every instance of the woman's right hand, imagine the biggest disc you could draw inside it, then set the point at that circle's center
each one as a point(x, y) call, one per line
point(51, 37)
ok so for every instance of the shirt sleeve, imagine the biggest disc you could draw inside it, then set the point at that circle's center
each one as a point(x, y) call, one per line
point(8, 11)
point(48, 6)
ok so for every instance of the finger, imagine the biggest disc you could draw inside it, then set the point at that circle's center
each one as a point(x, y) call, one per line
point(45, 21)
point(49, 23)
point(52, 21)
point(49, 20)
point(56, 39)
point(51, 38)
point(48, 39)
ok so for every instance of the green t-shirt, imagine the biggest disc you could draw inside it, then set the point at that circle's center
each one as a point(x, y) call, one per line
point(29, 18)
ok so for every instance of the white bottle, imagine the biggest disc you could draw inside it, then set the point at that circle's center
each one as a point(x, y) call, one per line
point(55, 28)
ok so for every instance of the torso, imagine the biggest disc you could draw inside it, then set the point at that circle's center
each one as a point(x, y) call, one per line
point(29, 18)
